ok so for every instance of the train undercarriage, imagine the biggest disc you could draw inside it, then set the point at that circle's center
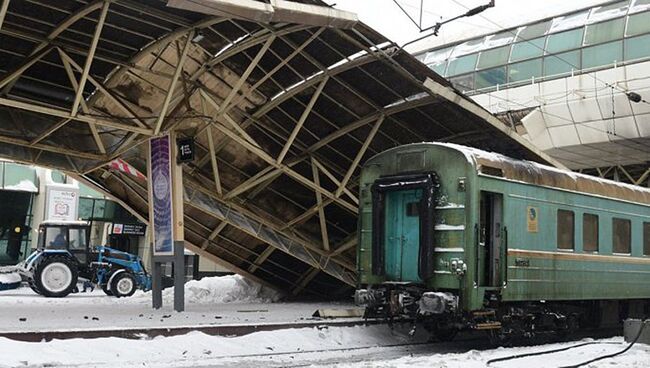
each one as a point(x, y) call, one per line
point(504, 322)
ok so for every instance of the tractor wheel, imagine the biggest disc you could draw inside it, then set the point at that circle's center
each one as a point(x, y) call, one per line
point(55, 276)
point(123, 285)
point(33, 287)
point(106, 290)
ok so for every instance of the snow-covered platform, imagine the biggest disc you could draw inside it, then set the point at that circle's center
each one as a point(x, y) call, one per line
point(224, 301)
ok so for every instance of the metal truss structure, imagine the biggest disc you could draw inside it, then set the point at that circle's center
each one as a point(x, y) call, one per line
point(632, 174)
point(282, 115)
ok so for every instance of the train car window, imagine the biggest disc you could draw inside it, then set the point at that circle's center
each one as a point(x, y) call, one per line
point(646, 238)
point(622, 234)
point(413, 209)
point(565, 229)
point(589, 232)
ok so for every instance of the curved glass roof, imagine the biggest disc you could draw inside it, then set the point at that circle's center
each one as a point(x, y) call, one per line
point(611, 34)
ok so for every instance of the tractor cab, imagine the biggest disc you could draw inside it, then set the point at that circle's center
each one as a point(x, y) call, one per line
point(71, 236)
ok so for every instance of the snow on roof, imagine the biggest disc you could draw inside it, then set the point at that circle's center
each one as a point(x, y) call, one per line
point(64, 222)
point(535, 173)
point(543, 175)
point(24, 186)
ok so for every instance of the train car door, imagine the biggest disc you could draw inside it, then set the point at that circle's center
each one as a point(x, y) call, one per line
point(402, 235)
point(490, 239)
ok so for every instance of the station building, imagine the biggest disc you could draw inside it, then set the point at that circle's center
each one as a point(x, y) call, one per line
point(30, 195)
point(576, 84)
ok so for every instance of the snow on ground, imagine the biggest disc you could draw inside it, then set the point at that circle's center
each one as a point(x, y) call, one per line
point(210, 301)
point(190, 349)
point(341, 347)
point(637, 357)
point(234, 300)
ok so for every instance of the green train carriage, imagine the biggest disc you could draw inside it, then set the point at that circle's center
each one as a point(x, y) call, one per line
point(460, 238)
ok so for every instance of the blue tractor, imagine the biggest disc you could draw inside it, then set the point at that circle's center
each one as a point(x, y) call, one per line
point(64, 255)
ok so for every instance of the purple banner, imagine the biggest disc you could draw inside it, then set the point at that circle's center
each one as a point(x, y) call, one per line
point(161, 196)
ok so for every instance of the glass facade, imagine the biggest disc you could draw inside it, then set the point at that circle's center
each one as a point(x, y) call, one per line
point(103, 210)
point(525, 70)
point(462, 65)
point(604, 32)
point(599, 37)
point(490, 77)
point(637, 24)
point(493, 57)
point(602, 54)
point(637, 47)
point(528, 49)
point(564, 41)
point(562, 64)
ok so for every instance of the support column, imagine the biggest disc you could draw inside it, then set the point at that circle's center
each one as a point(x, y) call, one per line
point(179, 227)
point(166, 217)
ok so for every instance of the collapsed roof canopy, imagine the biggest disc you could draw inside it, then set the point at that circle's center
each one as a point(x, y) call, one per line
point(282, 115)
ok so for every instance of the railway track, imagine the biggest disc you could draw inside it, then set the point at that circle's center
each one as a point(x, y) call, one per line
point(465, 341)
point(306, 358)
point(151, 332)
point(221, 330)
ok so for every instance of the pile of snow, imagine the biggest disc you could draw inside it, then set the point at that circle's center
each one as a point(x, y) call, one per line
point(9, 278)
point(223, 289)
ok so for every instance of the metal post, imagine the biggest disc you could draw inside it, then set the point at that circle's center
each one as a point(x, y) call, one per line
point(179, 276)
point(179, 227)
point(156, 283)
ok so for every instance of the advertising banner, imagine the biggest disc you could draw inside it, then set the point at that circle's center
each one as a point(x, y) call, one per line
point(62, 204)
point(161, 196)
point(129, 229)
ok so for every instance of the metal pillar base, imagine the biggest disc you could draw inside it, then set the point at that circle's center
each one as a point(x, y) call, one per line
point(631, 329)
point(178, 259)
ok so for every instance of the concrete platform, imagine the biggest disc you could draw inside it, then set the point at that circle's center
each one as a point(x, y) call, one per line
point(22, 310)
point(631, 329)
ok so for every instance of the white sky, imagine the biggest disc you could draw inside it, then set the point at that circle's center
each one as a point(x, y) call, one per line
point(388, 19)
